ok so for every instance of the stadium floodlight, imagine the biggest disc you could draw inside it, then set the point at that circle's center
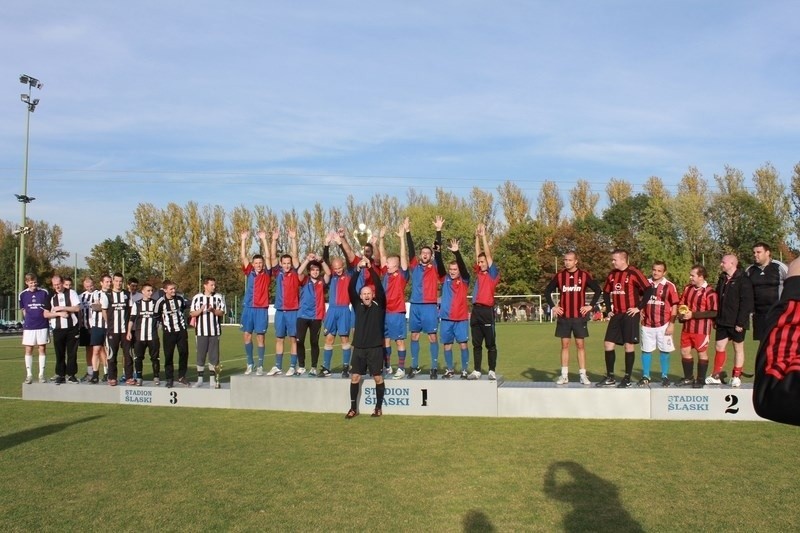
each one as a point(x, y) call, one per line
point(23, 198)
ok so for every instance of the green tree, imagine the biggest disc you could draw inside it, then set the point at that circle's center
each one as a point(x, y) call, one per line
point(515, 205)
point(739, 219)
point(618, 191)
point(549, 205)
point(517, 253)
point(582, 200)
point(115, 255)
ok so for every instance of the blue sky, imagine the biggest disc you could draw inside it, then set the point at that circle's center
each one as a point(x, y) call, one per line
point(288, 103)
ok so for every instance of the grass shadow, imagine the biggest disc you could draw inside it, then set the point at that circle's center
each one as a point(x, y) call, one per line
point(594, 501)
point(21, 437)
point(476, 522)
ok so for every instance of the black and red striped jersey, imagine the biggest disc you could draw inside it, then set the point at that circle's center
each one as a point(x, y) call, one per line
point(626, 288)
point(699, 299)
point(658, 309)
point(572, 288)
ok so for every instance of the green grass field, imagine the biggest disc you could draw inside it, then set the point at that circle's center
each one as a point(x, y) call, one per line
point(115, 467)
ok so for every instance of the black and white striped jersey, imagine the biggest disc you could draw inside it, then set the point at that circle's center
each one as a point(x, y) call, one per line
point(67, 298)
point(119, 311)
point(143, 315)
point(207, 324)
point(170, 311)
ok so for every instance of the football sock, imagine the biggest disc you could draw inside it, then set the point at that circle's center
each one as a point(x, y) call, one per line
point(647, 359)
point(248, 350)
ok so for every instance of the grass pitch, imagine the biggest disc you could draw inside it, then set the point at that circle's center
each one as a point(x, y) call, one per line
point(115, 467)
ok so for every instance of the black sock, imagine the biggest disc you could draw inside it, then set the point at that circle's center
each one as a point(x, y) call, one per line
point(354, 395)
point(611, 358)
point(688, 368)
point(702, 369)
point(379, 390)
point(629, 357)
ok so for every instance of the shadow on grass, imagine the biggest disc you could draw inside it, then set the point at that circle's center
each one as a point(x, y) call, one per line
point(21, 437)
point(476, 521)
point(595, 502)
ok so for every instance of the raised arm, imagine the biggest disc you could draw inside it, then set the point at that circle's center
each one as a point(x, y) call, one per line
point(403, 252)
point(244, 237)
point(462, 267)
point(273, 248)
point(293, 247)
point(346, 248)
point(486, 250)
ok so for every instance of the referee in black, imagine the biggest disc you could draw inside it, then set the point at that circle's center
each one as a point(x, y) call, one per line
point(370, 310)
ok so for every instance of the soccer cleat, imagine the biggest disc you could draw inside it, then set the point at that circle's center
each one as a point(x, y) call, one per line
point(300, 371)
point(274, 371)
point(492, 376)
point(260, 371)
point(324, 373)
point(184, 382)
point(352, 413)
point(698, 384)
point(72, 380)
point(388, 371)
point(249, 370)
point(644, 382)
point(312, 372)
point(112, 382)
point(28, 380)
point(685, 382)
point(585, 380)
point(665, 382)
point(156, 381)
point(42, 379)
point(199, 383)
point(377, 412)
point(345, 372)
point(399, 374)
point(55, 378)
point(562, 380)
point(86, 378)
point(59, 380)
point(448, 374)
point(464, 374)
point(291, 372)
point(412, 373)
point(713, 380)
point(434, 373)
point(139, 382)
point(625, 383)
point(105, 378)
point(736, 382)
point(474, 375)
point(608, 381)
point(130, 381)
point(94, 380)
point(170, 383)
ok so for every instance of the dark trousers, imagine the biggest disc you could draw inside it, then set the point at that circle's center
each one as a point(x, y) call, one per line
point(179, 340)
point(482, 327)
point(65, 344)
point(312, 326)
point(117, 341)
point(151, 346)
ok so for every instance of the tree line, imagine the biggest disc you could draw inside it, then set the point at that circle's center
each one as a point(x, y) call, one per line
point(695, 224)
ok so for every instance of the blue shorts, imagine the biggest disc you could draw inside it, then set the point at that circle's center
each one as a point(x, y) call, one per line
point(454, 330)
point(97, 337)
point(255, 320)
point(285, 324)
point(395, 326)
point(338, 321)
point(422, 317)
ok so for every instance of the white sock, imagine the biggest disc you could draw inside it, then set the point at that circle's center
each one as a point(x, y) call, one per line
point(90, 371)
point(582, 371)
point(28, 364)
point(105, 369)
point(564, 370)
point(42, 362)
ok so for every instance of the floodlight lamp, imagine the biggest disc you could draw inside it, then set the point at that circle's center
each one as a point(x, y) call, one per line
point(28, 80)
point(35, 102)
point(25, 98)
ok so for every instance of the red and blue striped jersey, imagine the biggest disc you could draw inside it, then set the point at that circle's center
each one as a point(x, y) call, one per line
point(338, 295)
point(394, 285)
point(424, 282)
point(485, 284)
point(454, 298)
point(256, 288)
point(287, 289)
point(312, 299)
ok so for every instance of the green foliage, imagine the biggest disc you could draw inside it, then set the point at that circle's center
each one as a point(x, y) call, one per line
point(516, 254)
point(115, 255)
point(739, 219)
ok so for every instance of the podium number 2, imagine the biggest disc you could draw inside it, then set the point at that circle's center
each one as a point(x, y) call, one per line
point(732, 400)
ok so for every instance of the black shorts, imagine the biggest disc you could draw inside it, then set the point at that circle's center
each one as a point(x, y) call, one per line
point(623, 329)
point(84, 337)
point(367, 358)
point(572, 327)
point(729, 332)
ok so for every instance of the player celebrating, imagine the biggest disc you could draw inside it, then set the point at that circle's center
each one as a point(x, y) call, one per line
point(395, 277)
point(287, 301)
point(572, 312)
point(255, 304)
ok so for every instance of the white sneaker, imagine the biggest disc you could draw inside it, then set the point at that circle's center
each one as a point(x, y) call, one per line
point(492, 375)
point(42, 379)
point(301, 371)
point(289, 373)
point(312, 372)
point(249, 370)
point(198, 384)
point(736, 382)
point(562, 380)
point(400, 374)
point(275, 371)
point(28, 380)
point(713, 380)
point(585, 380)
point(474, 375)
point(260, 371)
point(388, 371)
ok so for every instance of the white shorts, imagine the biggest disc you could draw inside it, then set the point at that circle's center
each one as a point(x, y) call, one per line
point(35, 337)
point(656, 337)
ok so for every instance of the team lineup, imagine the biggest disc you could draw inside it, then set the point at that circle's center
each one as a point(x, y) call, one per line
point(368, 313)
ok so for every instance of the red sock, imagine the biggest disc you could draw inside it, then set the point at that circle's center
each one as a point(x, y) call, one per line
point(719, 361)
point(737, 371)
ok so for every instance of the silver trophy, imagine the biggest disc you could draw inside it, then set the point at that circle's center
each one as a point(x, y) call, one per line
point(362, 236)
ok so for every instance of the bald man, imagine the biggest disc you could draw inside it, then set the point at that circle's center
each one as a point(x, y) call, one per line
point(735, 292)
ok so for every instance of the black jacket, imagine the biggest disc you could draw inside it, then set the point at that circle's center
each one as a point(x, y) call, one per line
point(735, 299)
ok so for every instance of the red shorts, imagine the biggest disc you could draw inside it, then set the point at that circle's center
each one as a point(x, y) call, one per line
point(698, 341)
